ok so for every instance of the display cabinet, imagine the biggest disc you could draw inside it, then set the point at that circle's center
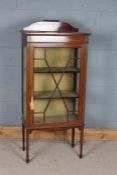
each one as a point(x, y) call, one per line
point(54, 57)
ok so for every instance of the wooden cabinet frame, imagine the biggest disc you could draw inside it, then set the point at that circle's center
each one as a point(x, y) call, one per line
point(60, 35)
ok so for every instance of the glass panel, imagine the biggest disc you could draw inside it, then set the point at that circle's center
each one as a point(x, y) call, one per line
point(54, 85)
point(24, 82)
point(56, 111)
point(56, 57)
point(45, 82)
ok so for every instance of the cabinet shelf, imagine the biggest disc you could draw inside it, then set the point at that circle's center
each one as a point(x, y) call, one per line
point(55, 119)
point(48, 94)
point(56, 70)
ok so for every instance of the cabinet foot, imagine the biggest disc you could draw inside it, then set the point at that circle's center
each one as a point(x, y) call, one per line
point(80, 156)
point(27, 146)
point(27, 161)
point(23, 149)
point(72, 145)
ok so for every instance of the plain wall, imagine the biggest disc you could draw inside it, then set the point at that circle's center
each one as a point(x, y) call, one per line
point(99, 17)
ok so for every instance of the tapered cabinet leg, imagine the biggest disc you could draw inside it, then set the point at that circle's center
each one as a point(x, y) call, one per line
point(27, 145)
point(73, 137)
point(23, 137)
point(81, 141)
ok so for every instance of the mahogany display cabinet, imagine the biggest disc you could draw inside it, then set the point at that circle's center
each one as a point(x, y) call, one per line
point(54, 59)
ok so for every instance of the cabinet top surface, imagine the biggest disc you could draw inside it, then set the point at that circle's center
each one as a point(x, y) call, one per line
point(51, 28)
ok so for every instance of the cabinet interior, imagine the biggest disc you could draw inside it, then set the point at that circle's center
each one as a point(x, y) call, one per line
point(54, 85)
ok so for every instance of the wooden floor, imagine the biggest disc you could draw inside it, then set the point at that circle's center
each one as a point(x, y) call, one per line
point(90, 134)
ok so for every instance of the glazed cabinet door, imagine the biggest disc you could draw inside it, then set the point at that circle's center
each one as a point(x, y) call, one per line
point(53, 88)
